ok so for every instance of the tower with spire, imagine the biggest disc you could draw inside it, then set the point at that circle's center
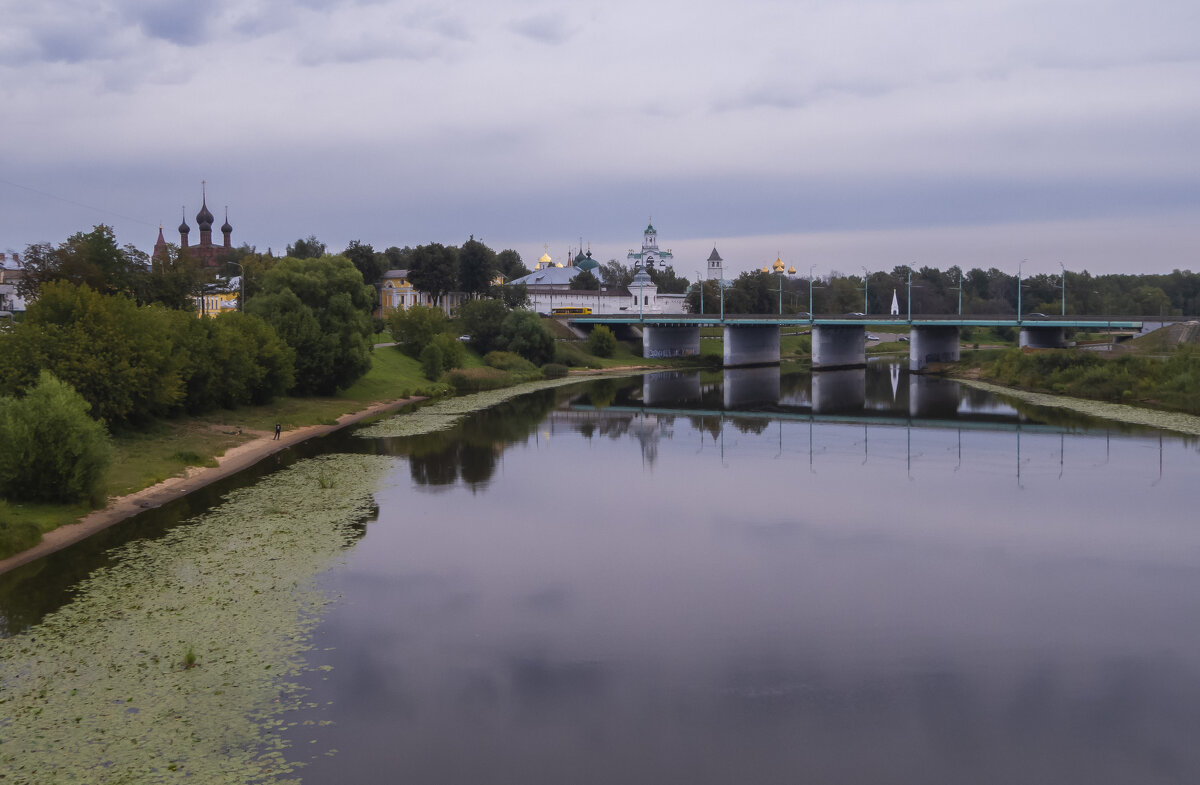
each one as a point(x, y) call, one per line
point(649, 255)
point(715, 266)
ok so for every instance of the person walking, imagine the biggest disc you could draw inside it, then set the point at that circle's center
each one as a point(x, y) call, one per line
point(277, 429)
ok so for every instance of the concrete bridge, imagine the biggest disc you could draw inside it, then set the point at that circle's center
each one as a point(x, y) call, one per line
point(838, 341)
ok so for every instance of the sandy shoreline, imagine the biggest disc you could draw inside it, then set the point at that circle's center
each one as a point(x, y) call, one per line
point(234, 460)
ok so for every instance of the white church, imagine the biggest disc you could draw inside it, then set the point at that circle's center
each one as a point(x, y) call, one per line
point(549, 285)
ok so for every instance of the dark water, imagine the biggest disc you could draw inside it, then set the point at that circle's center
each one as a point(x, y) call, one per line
point(867, 578)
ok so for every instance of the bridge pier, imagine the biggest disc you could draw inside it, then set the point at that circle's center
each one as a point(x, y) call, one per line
point(1042, 337)
point(672, 341)
point(838, 346)
point(752, 344)
point(932, 344)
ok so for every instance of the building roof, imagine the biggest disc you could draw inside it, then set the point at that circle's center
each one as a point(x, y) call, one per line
point(714, 256)
point(549, 276)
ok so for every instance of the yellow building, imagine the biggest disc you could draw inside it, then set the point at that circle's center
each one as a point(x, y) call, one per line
point(396, 293)
point(216, 303)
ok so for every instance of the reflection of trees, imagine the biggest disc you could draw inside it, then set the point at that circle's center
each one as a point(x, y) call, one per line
point(750, 424)
point(709, 425)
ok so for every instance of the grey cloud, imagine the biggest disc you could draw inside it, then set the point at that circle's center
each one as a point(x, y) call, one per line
point(173, 22)
point(549, 28)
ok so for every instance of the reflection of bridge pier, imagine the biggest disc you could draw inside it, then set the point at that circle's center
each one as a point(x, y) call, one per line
point(931, 397)
point(671, 387)
point(751, 386)
point(839, 391)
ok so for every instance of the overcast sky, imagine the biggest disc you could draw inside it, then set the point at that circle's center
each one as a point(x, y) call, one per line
point(838, 134)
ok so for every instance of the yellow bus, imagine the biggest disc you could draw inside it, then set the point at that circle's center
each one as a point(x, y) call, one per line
point(573, 310)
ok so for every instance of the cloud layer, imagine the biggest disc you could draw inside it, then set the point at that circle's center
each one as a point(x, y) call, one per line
point(532, 123)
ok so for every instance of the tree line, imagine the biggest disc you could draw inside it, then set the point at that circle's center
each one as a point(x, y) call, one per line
point(975, 291)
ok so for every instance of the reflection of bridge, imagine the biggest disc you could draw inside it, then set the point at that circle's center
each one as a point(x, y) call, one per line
point(839, 341)
point(749, 399)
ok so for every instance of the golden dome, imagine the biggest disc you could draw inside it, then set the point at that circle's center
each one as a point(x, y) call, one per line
point(765, 270)
point(558, 264)
point(791, 271)
point(778, 266)
point(545, 259)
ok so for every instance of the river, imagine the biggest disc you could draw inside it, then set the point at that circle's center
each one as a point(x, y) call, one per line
point(866, 577)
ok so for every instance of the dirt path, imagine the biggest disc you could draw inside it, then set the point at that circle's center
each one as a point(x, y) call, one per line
point(234, 460)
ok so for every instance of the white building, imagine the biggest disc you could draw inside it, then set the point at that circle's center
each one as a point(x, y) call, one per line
point(715, 269)
point(549, 288)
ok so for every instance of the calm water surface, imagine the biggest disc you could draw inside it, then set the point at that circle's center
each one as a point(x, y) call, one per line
point(867, 578)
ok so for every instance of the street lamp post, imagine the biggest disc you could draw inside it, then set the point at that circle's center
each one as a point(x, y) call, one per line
point(1063, 286)
point(866, 282)
point(908, 313)
point(810, 291)
point(700, 286)
point(1019, 266)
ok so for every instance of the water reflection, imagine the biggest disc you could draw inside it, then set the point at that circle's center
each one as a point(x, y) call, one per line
point(905, 614)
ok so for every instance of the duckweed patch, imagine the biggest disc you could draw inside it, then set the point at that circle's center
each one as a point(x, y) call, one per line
point(176, 663)
point(1152, 418)
point(444, 415)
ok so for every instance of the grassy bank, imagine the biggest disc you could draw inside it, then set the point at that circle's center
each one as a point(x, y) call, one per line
point(1169, 383)
point(168, 447)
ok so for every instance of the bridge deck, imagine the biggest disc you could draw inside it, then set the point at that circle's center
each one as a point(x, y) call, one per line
point(805, 320)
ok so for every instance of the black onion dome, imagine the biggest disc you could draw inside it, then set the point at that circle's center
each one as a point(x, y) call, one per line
point(184, 228)
point(225, 227)
point(204, 218)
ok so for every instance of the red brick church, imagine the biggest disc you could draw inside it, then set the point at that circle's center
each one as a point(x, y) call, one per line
point(205, 252)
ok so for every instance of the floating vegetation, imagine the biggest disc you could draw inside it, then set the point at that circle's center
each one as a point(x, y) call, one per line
point(174, 664)
point(444, 415)
point(1152, 418)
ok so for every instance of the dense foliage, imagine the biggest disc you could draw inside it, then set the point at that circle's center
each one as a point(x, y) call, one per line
point(413, 329)
point(481, 319)
point(522, 332)
point(601, 341)
point(53, 451)
point(1172, 382)
point(132, 363)
point(322, 310)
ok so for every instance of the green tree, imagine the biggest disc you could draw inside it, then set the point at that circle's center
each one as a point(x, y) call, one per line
point(306, 248)
point(602, 342)
point(614, 274)
point(667, 281)
point(322, 309)
point(433, 269)
point(121, 358)
point(432, 362)
point(509, 263)
point(370, 264)
point(53, 451)
point(585, 281)
point(397, 258)
point(524, 333)
point(414, 328)
point(515, 296)
point(476, 266)
point(482, 320)
point(91, 259)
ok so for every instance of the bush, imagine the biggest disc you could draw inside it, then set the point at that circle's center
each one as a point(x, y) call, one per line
point(468, 380)
point(507, 361)
point(53, 451)
point(432, 362)
point(554, 371)
point(523, 333)
point(572, 355)
point(454, 354)
point(602, 342)
point(481, 319)
point(412, 330)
